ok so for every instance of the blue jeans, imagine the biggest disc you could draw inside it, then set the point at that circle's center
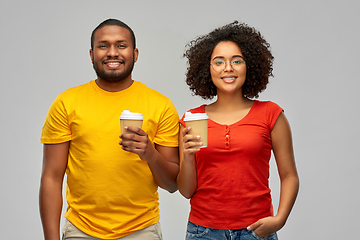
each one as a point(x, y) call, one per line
point(196, 232)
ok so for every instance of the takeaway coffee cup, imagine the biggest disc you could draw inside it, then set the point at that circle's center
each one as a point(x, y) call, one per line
point(129, 119)
point(199, 126)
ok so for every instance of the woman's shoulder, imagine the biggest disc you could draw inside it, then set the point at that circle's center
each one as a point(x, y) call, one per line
point(199, 109)
point(266, 104)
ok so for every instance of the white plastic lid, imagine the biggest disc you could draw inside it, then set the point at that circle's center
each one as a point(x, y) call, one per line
point(126, 114)
point(195, 116)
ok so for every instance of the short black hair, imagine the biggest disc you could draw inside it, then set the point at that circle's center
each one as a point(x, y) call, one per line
point(256, 51)
point(113, 22)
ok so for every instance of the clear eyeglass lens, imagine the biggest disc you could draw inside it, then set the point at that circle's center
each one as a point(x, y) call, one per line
point(220, 65)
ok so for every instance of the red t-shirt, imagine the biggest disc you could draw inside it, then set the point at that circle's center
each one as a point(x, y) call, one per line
point(233, 170)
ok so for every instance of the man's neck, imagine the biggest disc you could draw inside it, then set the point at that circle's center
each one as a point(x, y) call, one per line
point(114, 86)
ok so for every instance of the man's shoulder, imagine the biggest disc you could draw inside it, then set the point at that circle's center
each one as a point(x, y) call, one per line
point(142, 87)
point(76, 89)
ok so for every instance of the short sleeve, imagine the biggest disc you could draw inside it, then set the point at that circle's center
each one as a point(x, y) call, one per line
point(273, 113)
point(181, 121)
point(200, 109)
point(168, 128)
point(56, 128)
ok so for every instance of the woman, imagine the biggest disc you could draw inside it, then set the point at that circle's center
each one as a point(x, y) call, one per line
point(227, 181)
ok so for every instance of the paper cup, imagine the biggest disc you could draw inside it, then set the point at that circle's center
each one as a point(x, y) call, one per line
point(199, 126)
point(129, 119)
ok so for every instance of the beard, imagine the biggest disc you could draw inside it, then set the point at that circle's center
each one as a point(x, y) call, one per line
point(113, 75)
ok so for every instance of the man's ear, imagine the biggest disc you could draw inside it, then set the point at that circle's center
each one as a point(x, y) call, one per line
point(91, 56)
point(136, 54)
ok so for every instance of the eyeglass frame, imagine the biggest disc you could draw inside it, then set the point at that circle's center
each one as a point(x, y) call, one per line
point(230, 65)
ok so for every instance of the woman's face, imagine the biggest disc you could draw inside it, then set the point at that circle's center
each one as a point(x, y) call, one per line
point(228, 68)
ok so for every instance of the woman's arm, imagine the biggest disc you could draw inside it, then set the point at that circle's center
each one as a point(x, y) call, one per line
point(285, 161)
point(284, 155)
point(186, 180)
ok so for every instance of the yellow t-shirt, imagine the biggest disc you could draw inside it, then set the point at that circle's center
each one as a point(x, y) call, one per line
point(110, 192)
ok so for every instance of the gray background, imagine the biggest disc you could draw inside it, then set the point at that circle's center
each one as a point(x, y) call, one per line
point(45, 50)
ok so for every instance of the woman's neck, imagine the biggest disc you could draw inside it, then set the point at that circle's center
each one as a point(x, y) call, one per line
point(228, 109)
point(231, 102)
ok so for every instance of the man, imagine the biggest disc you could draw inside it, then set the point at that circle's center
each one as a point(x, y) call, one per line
point(111, 185)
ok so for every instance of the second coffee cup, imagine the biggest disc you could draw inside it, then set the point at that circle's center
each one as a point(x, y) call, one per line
point(199, 126)
point(129, 119)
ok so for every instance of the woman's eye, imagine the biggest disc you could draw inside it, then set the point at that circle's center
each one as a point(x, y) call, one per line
point(237, 61)
point(219, 63)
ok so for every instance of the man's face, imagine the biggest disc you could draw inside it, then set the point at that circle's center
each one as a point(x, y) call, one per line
point(113, 56)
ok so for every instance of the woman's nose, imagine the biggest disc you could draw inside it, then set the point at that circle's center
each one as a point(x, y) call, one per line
point(228, 67)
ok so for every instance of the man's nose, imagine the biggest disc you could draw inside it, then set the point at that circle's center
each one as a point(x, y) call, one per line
point(113, 51)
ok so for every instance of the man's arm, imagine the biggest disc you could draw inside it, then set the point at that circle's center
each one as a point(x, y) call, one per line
point(163, 161)
point(165, 167)
point(50, 196)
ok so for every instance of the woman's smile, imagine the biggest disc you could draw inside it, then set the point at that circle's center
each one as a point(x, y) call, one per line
point(229, 78)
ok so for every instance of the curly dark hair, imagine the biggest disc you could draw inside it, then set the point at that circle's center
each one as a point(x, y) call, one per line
point(255, 49)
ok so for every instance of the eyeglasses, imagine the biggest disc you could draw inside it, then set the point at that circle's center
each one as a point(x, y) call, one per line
point(219, 65)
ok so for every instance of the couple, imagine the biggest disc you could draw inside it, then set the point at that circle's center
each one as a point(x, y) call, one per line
point(112, 184)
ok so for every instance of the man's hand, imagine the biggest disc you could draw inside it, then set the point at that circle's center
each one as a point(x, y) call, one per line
point(137, 142)
point(163, 161)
